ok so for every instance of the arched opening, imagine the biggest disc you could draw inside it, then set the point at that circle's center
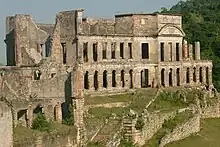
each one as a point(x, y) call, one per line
point(178, 77)
point(131, 78)
point(123, 78)
point(96, 86)
point(86, 80)
point(194, 74)
point(105, 82)
point(170, 77)
point(187, 76)
point(207, 75)
point(162, 77)
point(37, 75)
point(22, 117)
point(114, 78)
point(144, 78)
point(200, 75)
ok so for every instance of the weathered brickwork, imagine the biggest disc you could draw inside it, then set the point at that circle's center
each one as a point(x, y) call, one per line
point(52, 65)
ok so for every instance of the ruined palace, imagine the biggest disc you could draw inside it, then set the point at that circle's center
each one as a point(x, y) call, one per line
point(50, 64)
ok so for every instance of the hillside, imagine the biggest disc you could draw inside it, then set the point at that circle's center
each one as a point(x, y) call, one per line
point(201, 22)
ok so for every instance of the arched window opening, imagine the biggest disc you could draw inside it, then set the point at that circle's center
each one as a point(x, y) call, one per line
point(86, 80)
point(37, 75)
point(105, 82)
point(114, 78)
point(178, 77)
point(96, 86)
point(131, 78)
point(123, 78)
point(162, 77)
point(200, 75)
point(194, 74)
point(187, 76)
point(207, 75)
point(170, 77)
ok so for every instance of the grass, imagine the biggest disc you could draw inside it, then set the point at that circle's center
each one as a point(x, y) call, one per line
point(171, 100)
point(108, 99)
point(207, 137)
point(167, 127)
point(25, 135)
point(101, 112)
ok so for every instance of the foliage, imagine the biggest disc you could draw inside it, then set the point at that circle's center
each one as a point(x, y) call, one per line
point(95, 144)
point(140, 123)
point(40, 123)
point(69, 120)
point(126, 143)
point(201, 22)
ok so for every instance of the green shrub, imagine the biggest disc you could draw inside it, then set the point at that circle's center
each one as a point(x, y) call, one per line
point(40, 123)
point(69, 120)
point(126, 143)
point(139, 124)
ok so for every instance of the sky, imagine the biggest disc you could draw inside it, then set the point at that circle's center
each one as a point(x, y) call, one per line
point(44, 11)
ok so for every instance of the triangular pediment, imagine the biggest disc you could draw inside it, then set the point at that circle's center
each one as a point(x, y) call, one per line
point(170, 30)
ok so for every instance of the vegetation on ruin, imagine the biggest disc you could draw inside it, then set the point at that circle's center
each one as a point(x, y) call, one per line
point(40, 123)
point(140, 123)
point(207, 137)
point(69, 120)
point(201, 22)
point(168, 126)
point(172, 100)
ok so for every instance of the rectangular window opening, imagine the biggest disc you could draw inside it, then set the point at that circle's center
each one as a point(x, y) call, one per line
point(162, 51)
point(177, 52)
point(104, 51)
point(85, 52)
point(113, 45)
point(145, 50)
point(95, 51)
point(64, 52)
point(130, 50)
point(170, 51)
point(122, 50)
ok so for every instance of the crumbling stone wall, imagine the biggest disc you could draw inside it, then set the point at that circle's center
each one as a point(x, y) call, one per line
point(190, 127)
point(6, 131)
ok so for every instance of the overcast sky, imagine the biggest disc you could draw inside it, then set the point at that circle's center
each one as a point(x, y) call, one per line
point(44, 11)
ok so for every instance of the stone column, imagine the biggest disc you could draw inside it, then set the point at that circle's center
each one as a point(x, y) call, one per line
point(185, 49)
point(29, 116)
point(58, 113)
point(191, 75)
point(166, 77)
point(80, 48)
point(174, 52)
point(100, 81)
point(197, 50)
point(210, 75)
point(117, 50)
point(174, 77)
point(181, 52)
point(203, 75)
point(166, 52)
point(99, 51)
point(137, 79)
point(109, 80)
point(183, 76)
point(190, 51)
point(109, 52)
point(126, 51)
point(90, 52)
point(91, 82)
point(118, 79)
point(197, 75)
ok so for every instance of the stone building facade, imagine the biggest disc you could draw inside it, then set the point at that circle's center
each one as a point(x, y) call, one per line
point(50, 65)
